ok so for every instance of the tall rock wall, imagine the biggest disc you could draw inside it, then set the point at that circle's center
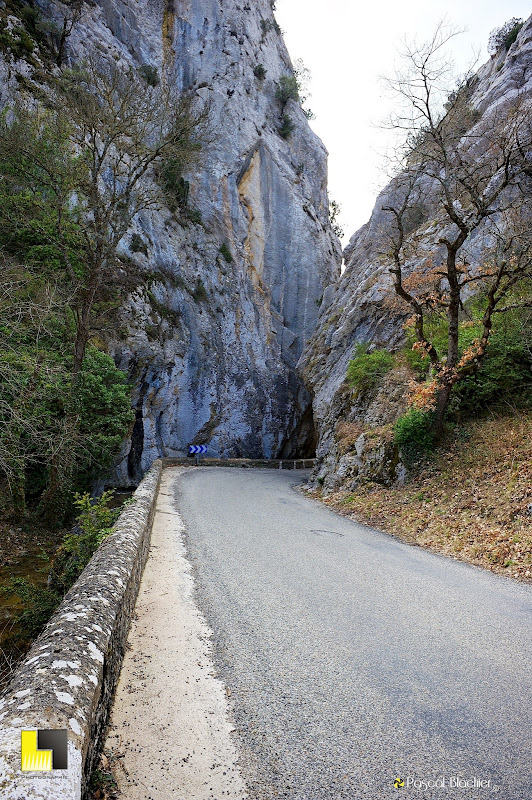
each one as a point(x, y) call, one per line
point(354, 432)
point(211, 344)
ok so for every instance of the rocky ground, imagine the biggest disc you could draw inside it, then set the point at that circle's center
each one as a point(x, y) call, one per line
point(471, 501)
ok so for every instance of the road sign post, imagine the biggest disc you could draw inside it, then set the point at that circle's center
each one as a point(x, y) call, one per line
point(197, 450)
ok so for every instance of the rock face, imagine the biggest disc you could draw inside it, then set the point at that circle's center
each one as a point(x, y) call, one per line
point(355, 310)
point(235, 283)
point(217, 365)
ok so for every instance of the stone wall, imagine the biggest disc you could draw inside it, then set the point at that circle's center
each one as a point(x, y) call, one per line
point(69, 676)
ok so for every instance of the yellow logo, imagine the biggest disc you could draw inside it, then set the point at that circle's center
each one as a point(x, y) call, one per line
point(43, 751)
point(34, 760)
point(398, 783)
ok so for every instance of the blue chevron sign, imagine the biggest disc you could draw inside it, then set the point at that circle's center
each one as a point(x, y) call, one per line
point(197, 448)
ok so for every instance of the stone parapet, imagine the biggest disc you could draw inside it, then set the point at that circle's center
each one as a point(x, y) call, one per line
point(255, 463)
point(68, 679)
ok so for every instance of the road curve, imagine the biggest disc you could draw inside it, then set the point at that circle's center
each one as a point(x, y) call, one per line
point(353, 659)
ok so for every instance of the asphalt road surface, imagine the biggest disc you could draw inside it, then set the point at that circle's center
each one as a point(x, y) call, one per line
point(352, 659)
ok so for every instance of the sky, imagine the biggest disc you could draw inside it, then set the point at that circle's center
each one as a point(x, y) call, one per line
point(348, 46)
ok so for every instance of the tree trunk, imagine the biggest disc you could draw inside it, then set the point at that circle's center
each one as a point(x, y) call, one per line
point(82, 337)
point(17, 485)
point(61, 46)
point(442, 402)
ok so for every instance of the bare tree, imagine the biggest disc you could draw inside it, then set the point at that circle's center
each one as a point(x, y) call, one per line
point(91, 164)
point(58, 23)
point(459, 210)
point(123, 129)
point(72, 15)
point(72, 179)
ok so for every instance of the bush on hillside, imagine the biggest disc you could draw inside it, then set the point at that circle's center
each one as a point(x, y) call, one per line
point(287, 89)
point(505, 371)
point(504, 36)
point(366, 370)
point(413, 435)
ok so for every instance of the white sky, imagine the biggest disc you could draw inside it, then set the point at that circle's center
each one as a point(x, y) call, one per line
point(348, 45)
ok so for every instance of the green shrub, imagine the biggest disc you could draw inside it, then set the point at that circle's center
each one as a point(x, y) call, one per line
point(194, 215)
point(138, 245)
point(37, 398)
point(366, 370)
point(150, 74)
point(176, 189)
point(505, 35)
point(260, 72)
point(512, 35)
point(287, 89)
point(94, 523)
point(506, 370)
point(268, 25)
point(199, 293)
point(286, 127)
point(104, 401)
point(226, 253)
point(413, 434)
point(17, 41)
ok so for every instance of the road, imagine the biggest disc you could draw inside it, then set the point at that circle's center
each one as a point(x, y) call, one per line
point(352, 659)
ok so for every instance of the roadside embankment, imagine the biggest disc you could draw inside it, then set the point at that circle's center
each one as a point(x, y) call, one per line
point(68, 679)
point(471, 500)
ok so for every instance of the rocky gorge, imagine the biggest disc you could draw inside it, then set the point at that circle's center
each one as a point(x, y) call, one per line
point(232, 279)
point(239, 331)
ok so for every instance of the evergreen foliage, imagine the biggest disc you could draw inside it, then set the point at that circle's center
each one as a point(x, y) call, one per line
point(366, 371)
point(504, 36)
point(414, 435)
point(94, 522)
point(505, 373)
point(72, 178)
point(226, 253)
point(287, 89)
point(286, 127)
point(150, 74)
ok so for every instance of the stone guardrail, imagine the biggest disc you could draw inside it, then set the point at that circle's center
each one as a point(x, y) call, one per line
point(264, 463)
point(68, 679)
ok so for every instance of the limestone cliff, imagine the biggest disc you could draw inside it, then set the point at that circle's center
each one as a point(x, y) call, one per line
point(354, 432)
point(234, 287)
point(218, 367)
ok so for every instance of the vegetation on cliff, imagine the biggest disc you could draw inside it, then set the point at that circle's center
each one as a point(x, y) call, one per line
point(440, 426)
point(73, 177)
point(462, 175)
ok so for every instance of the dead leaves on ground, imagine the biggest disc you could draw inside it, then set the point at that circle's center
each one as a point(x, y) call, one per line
point(473, 502)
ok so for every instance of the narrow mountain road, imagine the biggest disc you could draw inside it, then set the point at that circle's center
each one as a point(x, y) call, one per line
point(352, 659)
